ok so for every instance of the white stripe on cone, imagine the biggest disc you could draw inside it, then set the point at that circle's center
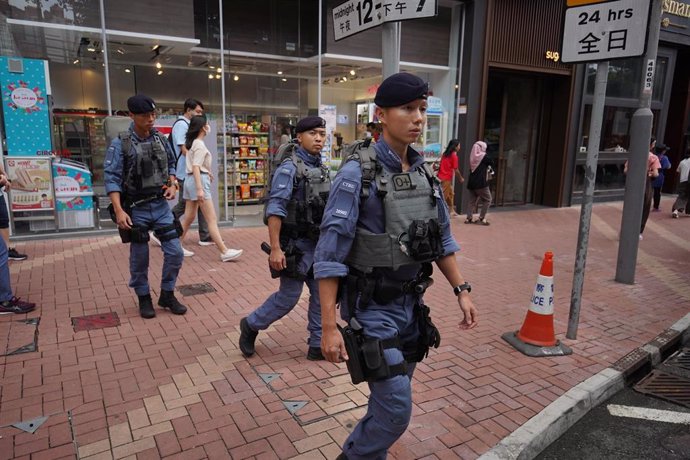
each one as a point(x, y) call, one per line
point(542, 298)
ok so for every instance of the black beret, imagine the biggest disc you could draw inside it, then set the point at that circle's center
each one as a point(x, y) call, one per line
point(307, 123)
point(140, 104)
point(399, 89)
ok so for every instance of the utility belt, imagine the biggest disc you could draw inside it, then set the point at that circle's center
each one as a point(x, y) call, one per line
point(138, 233)
point(382, 290)
point(293, 256)
point(367, 361)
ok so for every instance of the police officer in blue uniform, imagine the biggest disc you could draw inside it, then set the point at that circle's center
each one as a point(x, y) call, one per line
point(140, 179)
point(384, 223)
point(299, 190)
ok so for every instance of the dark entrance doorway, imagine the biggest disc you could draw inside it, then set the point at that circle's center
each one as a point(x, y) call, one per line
point(525, 130)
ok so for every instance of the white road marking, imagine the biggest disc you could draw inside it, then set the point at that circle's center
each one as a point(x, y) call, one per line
point(644, 413)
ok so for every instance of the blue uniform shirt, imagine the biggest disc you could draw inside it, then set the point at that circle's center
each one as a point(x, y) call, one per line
point(343, 215)
point(284, 181)
point(113, 170)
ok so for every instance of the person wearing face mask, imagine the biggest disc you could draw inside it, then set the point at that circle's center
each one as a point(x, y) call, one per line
point(197, 189)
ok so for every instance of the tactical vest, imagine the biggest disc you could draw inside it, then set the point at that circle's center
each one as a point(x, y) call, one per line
point(146, 172)
point(304, 213)
point(411, 215)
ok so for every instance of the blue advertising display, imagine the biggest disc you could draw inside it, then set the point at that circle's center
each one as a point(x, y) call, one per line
point(25, 106)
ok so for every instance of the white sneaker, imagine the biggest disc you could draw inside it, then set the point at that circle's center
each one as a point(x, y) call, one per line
point(674, 214)
point(154, 238)
point(641, 237)
point(230, 254)
point(187, 252)
point(206, 243)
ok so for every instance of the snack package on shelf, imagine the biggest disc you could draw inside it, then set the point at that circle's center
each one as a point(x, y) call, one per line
point(257, 192)
point(245, 191)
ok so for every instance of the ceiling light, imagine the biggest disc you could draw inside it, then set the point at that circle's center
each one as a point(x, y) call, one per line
point(210, 76)
point(280, 72)
point(160, 72)
point(120, 51)
point(158, 65)
point(127, 70)
point(236, 77)
point(219, 70)
point(91, 49)
point(344, 79)
point(211, 67)
point(76, 61)
point(352, 72)
point(283, 79)
point(217, 77)
point(155, 47)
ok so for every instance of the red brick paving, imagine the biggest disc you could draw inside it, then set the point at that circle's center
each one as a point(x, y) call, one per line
point(178, 387)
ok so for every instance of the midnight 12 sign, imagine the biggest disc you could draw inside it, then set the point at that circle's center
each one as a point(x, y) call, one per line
point(357, 16)
point(604, 31)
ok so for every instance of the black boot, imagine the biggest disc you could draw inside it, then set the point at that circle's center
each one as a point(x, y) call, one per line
point(314, 354)
point(247, 338)
point(168, 300)
point(342, 456)
point(146, 307)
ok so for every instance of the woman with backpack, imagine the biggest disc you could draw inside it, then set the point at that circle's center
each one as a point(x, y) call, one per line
point(478, 184)
point(197, 186)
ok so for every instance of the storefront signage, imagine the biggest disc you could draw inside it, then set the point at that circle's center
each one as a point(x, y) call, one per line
point(675, 22)
point(604, 31)
point(434, 105)
point(553, 56)
point(32, 187)
point(25, 107)
point(356, 16)
point(676, 8)
point(328, 113)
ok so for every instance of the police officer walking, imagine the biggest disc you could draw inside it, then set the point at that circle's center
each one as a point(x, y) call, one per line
point(298, 194)
point(139, 178)
point(385, 222)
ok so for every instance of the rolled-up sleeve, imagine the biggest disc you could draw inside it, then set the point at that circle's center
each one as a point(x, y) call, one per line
point(450, 246)
point(339, 223)
point(113, 167)
point(281, 190)
point(172, 158)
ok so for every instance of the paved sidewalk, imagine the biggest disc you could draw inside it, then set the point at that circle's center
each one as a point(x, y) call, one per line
point(179, 387)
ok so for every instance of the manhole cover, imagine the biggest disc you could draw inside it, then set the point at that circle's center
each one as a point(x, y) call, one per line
point(19, 337)
point(196, 289)
point(666, 386)
point(98, 321)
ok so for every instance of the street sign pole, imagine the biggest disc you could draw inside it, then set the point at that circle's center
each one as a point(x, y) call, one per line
point(390, 57)
point(588, 198)
point(640, 134)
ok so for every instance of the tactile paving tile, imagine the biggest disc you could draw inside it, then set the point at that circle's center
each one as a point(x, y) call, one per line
point(18, 337)
point(196, 289)
point(97, 321)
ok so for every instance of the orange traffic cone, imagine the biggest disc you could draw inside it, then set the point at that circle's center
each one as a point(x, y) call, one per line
point(536, 337)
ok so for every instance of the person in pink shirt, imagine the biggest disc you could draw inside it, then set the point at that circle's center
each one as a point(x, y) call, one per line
point(447, 170)
point(653, 166)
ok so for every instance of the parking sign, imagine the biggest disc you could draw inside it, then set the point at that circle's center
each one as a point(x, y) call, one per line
point(604, 31)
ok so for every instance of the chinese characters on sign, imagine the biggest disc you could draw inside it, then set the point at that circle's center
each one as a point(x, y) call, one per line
point(604, 31)
point(356, 16)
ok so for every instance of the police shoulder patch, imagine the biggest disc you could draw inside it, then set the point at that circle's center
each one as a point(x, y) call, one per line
point(344, 199)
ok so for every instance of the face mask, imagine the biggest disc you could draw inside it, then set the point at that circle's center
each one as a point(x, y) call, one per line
point(207, 128)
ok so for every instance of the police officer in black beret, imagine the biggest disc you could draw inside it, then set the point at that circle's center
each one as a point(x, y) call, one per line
point(298, 194)
point(140, 178)
point(384, 225)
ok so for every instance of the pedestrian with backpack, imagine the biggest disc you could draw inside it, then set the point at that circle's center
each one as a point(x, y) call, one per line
point(298, 193)
point(192, 107)
point(197, 193)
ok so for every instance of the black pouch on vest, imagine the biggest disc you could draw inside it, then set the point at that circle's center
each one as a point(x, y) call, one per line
point(424, 240)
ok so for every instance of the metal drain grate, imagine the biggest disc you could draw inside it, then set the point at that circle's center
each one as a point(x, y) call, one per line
point(196, 289)
point(680, 359)
point(98, 321)
point(666, 386)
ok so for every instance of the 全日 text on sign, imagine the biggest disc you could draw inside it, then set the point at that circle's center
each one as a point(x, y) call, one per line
point(604, 31)
point(356, 16)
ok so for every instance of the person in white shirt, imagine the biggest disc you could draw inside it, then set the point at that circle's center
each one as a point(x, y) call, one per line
point(197, 186)
point(681, 203)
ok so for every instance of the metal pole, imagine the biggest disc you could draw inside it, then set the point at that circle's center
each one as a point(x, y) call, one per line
point(104, 39)
point(588, 198)
point(318, 91)
point(223, 124)
point(390, 38)
point(640, 134)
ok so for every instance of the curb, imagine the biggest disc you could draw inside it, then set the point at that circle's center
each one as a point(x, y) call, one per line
point(555, 419)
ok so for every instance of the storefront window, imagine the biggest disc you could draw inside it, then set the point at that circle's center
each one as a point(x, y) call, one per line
point(625, 77)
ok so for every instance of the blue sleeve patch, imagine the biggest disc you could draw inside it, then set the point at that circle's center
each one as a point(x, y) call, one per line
point(344, 199)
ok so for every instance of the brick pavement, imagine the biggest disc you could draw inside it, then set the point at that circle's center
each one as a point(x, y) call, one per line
point(178, 387)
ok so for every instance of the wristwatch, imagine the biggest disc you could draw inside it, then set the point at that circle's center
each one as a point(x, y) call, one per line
point(463, 287)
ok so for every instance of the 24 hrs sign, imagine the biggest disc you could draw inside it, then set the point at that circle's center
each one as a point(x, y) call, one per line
point(604, 31)
point(357, 16)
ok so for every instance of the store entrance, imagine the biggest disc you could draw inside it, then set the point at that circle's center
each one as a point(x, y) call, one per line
point(524, 129)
